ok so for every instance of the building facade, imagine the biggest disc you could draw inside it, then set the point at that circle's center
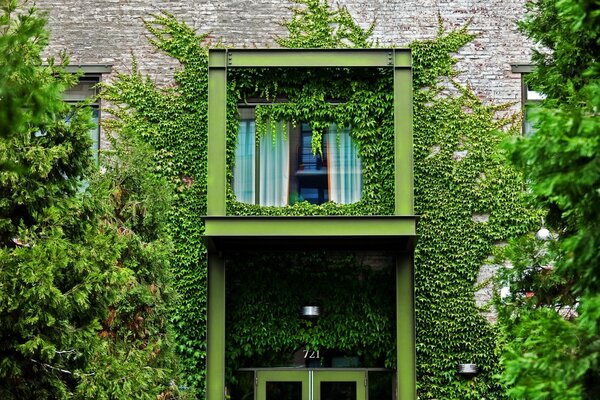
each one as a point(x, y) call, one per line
point(103, 36)
point(109, 32)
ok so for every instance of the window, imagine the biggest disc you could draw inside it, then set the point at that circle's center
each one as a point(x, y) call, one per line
point(86, 89)
point(529, 97)
point(281, 168)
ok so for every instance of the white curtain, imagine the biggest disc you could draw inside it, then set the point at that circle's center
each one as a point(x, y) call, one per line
point(274, 167)
point(344, 167)
point(95, 133)
point(244, 172)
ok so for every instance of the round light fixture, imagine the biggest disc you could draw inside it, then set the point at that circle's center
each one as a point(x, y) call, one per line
point(311, 312)
point(543, 234)
point(467, 369)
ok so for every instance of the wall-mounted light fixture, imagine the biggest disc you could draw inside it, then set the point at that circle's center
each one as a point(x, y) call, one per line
point(468, 370)
point(543, 233)
point(311, 312)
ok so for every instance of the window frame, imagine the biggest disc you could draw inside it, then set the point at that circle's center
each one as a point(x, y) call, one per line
point(90, 73)
point(526, 101)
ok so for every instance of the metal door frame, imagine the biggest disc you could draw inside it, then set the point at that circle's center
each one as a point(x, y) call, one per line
point(311, 379)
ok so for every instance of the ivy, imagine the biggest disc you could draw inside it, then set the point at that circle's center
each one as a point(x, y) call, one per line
point(173, 121)
point(459, 173)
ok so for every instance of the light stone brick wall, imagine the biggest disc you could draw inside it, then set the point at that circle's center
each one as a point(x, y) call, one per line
point(110, 31)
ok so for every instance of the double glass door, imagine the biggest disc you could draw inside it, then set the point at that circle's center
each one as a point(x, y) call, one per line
point(311, 385)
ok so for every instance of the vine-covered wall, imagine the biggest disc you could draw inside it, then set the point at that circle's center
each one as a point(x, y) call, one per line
point(459, 174)
point(469, 200)
point(265, 293)
point(363, 100)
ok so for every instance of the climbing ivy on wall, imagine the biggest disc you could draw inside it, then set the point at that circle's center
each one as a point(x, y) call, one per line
point(173, 121)
point(358, 316)
point(459, 174)
point(468, 200)
point(364, 101)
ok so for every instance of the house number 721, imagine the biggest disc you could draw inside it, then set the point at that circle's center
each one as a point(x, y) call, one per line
point(311, 353)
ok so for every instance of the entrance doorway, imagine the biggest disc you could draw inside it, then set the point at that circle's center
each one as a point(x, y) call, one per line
point(311, 384)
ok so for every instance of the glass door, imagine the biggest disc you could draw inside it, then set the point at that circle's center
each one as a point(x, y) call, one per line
point(282, 385)
point(339, 385)
point(311, 385)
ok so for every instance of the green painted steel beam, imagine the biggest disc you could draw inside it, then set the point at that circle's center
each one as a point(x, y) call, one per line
point(403, 141)
point(217, 58)
point(402, 58)
point(302, 58)
point(215, 329)
point(405, 328)
point(217, 125)
point(321, 226)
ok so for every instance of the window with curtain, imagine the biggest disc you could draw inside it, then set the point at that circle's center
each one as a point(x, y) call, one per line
point(281, 169)
point(86, 89)
point(344, 169)
point(244, 171)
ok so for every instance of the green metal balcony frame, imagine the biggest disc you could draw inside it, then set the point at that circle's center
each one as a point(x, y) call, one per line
point(220, 60)
point(290, 233)
point(396, 232)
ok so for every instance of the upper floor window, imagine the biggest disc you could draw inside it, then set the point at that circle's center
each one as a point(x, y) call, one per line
point(530, 98)
point(281, 169)
point(86, 89)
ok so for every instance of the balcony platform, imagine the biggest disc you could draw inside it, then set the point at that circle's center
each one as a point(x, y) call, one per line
point(290, 233)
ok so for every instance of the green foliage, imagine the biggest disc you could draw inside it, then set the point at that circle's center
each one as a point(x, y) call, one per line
point(84, 293)
point(41, 157)
point(366, 104)
point(29, 94)
point(567, 30)
point(173, 121)
point(458, 173)
point(560, 161)
point(263, 326)
point(58, 273)
point(315, 24)
point(136, 359)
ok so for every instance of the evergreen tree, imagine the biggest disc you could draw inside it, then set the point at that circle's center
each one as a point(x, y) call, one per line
point(83, 294)
point(57, 272)
point(136, 361)
point(553, 323)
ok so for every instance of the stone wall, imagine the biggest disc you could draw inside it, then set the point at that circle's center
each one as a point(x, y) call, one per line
point(109, 31)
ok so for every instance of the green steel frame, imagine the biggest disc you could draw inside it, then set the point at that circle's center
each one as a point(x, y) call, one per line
point(311, 380)
point(401, 225)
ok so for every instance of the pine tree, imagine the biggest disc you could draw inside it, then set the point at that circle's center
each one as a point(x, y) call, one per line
point(84, 296)
point(554, 355)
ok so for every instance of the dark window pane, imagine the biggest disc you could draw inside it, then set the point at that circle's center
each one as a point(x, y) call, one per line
point(381, 386)
point(284, 390)
point(338, 390)
point(243, 389)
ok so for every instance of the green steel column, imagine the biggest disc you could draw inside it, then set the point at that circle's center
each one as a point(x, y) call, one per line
point(217, 125)
point(215, 332)
point(403, 133)
point(405, 328)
